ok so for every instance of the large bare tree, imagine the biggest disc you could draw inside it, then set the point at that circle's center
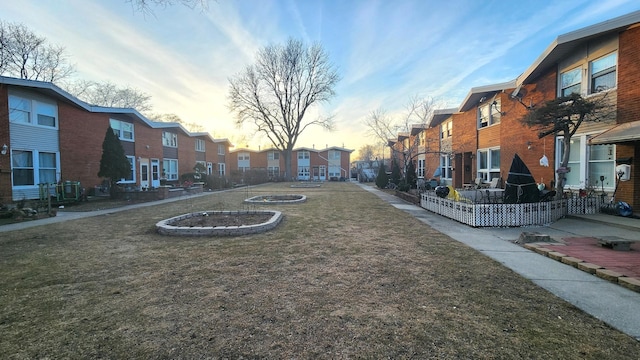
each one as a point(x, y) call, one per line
point(275, 93)
point(25, 55)
point(109, 94)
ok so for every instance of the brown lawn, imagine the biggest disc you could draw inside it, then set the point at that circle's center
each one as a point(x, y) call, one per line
point(344, 276)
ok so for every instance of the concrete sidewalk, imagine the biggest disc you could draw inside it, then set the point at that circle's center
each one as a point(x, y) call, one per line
point(615, 305)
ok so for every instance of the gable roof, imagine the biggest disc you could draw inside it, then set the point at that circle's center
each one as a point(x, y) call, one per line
point(567, 43)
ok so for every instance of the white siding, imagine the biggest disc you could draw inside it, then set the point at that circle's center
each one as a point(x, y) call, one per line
point(26, 137)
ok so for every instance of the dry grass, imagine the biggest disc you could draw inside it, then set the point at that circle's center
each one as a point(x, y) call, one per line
point(344, 276)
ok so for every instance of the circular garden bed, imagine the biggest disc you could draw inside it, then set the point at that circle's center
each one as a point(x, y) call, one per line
point(220, 223)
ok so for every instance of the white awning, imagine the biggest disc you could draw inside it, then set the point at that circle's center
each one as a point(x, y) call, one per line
point(617, 134)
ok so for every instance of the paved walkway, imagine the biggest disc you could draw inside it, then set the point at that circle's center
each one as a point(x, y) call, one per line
point(615, 305)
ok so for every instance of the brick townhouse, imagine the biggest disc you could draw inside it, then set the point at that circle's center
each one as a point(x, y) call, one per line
point(331, 163)
point(480, 138)
point(48, 136)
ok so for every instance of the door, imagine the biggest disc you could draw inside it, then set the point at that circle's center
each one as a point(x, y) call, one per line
point(155, 173)
point(323, 172)
point(144, 173)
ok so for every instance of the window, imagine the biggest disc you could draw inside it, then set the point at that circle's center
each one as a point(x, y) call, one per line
point(489, 164)
point(445, 167)
point(209, 168)
point(446, 129)
point(243, 156)
point(303, 155)
point(273, 155)
point(200, 145)
point(603, 73)
point(273, 171)
point(570, 82)
point(221, 169)
point(22, 168)
point(303, 172)
point(334, 171)
point(131, 178)
point(488, 114)
point(221, 149)
point(169, 139)
point(588, 163)
point(26, 171)
point(123, 130)
point(20, 111)
point(420, 170)
point(334, 155)
point(170, 169)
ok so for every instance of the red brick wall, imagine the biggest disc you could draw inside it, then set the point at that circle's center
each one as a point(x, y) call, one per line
point(81, 137)
point(628, 191)
point(186, 154)
point(148, 142)
point(432, 159)
point(629, 76)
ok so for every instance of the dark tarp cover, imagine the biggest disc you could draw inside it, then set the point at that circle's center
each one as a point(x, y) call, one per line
point(521, 187)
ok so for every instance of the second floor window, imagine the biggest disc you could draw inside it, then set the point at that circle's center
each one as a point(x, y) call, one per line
point(169, 139)
point(33, 112)
point(123, 130)
point(303, 155)
point(334, 155)
point(603, 73)
point(570, 82)
point(200, 145)
point(273, 155)
point(489, 114)
point(446, 129)
point(220, 149)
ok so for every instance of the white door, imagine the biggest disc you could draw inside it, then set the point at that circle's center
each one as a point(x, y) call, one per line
point(155, 173)
point(144, 173)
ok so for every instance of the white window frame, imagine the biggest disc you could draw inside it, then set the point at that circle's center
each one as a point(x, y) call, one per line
point(200, 145)
point(30, 111)
point(603, 72)
point(489, 114)
point(167, 169)
point(221, 150)
point(571, 81)
point(581, 162)
point(36, 167)
point(132, 176)
point(273, 155)
point(303, 155)
point(119, 128)
point(492, 168)
point(334, 155)
point(420, 168)
point(169, 139)
point(446, 169)
point(222, 169)
point(273, 171)
point(446, 129)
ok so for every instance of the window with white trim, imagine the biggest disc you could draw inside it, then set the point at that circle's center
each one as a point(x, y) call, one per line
point(334, 155)
point(303, 155)
point(27, 172)
point(200, 146)
point(221, 169)
point(446, 129)
point(243, 156)
point(122, 129)
point(571, 82)
point(170, 169)
point(221, 149)
point(445, 167)
point(131, 178)
point(169, 139)
point(21, 110)
point(489, 114)
point(273, 155)
point(420, 168)
point(588, 163)
point(603, 73)
point(273, 171)
point(303, 172)
point(488, 164)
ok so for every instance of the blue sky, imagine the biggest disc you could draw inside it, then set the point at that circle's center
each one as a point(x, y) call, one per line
point(385, 51)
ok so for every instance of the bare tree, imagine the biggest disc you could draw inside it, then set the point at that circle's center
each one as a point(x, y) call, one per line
point(383, 127)
point(562, 117)
point(276, 92)
point(145, 6)
point(173, 118)
point(109, 94)
point(26, 55)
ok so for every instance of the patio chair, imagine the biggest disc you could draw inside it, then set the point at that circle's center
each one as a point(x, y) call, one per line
point(494, 183)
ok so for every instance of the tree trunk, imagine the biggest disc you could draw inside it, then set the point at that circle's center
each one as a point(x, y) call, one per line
point(287, 164)
point(566, 143)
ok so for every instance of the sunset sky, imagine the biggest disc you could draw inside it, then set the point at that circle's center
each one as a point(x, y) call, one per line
point(385, 51)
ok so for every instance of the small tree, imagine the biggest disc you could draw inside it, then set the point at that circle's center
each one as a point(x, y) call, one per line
point(382, 179)
point(395, 172)
point(410, 177)
point(562, 117)
point(114, 165)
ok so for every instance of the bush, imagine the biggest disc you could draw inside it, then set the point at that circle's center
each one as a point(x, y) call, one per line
point(382, 179)
point(404, 186)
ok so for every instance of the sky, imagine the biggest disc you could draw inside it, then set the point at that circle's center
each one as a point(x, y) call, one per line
point(386, 52)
